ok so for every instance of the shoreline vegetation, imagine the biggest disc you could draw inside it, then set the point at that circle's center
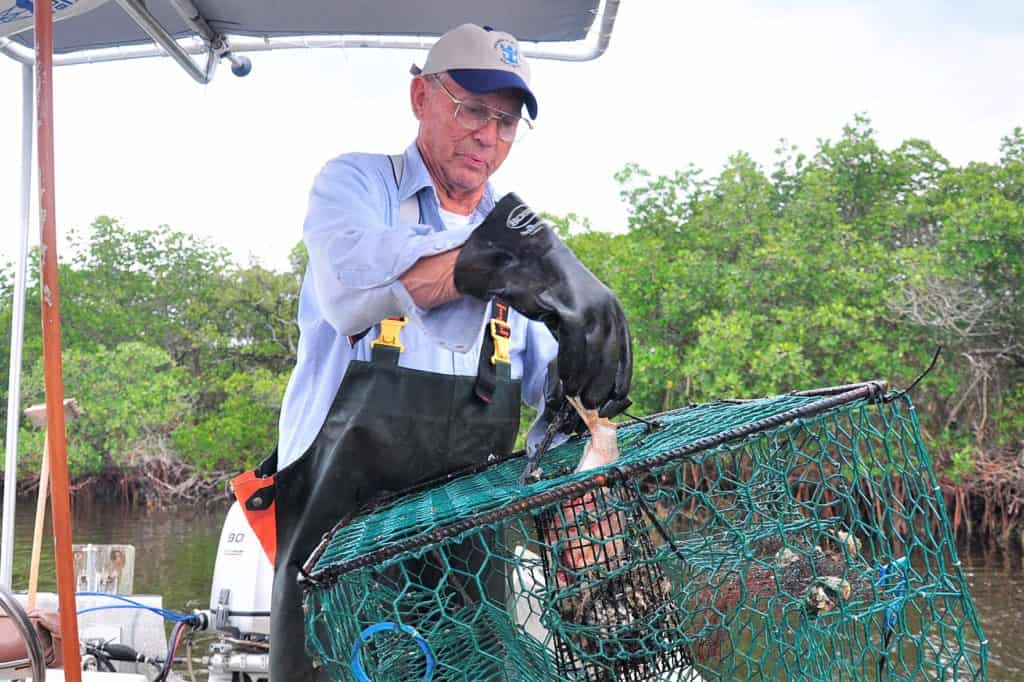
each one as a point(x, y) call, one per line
point(848, 263)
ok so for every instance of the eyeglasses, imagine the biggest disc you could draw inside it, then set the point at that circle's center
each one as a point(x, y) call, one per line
point(474, 115)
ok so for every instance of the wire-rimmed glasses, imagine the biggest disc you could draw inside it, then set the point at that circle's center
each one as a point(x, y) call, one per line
point(474, 115)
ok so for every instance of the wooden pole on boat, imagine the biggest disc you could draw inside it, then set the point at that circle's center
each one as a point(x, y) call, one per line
point(37, 415)
point(37, 533)
point(60, 497)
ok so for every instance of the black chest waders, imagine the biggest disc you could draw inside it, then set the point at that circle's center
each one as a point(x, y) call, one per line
point(388, 428)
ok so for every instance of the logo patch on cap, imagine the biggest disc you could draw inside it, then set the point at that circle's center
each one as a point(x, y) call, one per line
point(508, 50)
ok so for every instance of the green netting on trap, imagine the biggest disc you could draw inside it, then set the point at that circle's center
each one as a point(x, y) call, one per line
point(795, 537)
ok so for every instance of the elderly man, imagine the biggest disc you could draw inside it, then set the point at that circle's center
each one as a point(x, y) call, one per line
point(429, 311)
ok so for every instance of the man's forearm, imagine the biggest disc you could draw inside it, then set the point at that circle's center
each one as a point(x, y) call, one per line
point(430, 281)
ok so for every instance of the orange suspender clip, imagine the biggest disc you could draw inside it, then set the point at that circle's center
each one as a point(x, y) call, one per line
point(501, 334)
point(389, 330)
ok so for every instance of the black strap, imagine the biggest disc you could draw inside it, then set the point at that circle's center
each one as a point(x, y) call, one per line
point(491, 366)
point(268, 467)
point(385, 355)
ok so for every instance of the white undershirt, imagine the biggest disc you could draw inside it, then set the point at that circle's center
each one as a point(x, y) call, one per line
point(453, 220)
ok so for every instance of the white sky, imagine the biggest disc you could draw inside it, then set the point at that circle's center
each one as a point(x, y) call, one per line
point(680, 83)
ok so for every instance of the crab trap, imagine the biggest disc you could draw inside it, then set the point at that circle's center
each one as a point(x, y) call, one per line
point(799, 537)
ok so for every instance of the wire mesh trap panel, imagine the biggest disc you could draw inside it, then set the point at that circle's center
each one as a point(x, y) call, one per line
point(799, 537)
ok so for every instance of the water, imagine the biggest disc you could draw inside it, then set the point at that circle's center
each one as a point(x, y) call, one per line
point(996, 580)
point(175, 553)
point(174, 550)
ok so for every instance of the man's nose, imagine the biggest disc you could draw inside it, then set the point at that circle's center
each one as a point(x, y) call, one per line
point(487, 134)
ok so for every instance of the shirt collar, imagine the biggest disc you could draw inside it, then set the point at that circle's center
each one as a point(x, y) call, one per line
point(416, 177)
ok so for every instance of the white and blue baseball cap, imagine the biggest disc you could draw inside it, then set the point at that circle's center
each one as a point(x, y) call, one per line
point(481, 60)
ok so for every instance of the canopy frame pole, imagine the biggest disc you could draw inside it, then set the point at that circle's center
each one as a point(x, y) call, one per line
point(60, 495)
point(16, 52)
point(195, 20)
point(141, 15)
point(17, 334)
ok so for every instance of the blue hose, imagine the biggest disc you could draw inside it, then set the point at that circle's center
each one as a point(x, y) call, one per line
point(132, 604)
point(388, 626)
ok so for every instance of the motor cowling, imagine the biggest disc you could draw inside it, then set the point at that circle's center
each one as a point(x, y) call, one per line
point(242, 578)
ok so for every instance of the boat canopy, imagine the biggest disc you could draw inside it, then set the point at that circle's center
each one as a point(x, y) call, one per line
point(109, 30)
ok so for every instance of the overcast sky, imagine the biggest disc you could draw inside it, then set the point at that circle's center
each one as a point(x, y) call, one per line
point(679, 84)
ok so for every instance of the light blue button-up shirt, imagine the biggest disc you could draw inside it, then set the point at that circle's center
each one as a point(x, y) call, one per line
point(357, 252)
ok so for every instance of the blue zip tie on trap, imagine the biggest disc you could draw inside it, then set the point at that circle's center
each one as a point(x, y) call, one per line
point(896, 570)
point(389, 626)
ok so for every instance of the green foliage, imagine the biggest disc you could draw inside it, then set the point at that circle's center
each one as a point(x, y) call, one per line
point(154, 286)
point(753, 283)
point(827, 268)
point(158, 326)
point(1009, 416)
point(243, 429)
point(961, 463)
point(131, 398)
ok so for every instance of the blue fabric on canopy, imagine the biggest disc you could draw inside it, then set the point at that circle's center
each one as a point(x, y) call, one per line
point(529, 20)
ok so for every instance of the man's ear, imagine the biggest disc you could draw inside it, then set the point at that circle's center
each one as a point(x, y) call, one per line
point(419, 90)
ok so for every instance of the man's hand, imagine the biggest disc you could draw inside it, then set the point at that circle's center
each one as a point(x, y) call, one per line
point(516, 256)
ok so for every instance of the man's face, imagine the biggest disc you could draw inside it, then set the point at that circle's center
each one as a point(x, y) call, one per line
point(461, 159)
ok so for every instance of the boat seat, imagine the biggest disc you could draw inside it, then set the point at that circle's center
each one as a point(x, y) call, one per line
point(27, 642)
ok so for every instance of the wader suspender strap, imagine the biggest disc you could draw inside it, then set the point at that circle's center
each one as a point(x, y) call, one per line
point(495, 361)
point(408, 214)
point(386, 347)
point(409, 209)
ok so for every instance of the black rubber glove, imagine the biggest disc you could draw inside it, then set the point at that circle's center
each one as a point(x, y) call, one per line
point(516, 256)
point(555, 403)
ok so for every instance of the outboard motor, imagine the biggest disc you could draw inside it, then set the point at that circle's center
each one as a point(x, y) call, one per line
point(240, 605)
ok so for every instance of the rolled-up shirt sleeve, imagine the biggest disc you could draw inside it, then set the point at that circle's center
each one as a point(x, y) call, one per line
point(357, 252)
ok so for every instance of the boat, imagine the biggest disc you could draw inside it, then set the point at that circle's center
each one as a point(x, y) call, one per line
point(198, 35)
